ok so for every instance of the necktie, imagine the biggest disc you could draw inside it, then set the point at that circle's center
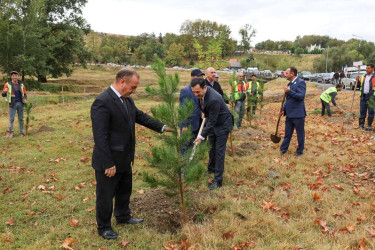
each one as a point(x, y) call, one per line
point(125, 104)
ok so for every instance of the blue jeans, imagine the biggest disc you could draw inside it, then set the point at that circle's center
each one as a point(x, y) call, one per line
point(290, 125)
point(18, 107)
point(364, 107)
point(239, 108)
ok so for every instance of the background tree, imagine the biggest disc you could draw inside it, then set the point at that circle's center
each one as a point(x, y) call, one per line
point(175, 55)
point(247, 32)
point(174, 171)
point(42, 37)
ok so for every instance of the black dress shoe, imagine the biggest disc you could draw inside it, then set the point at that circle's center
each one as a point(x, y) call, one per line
point(109, 234)
point(130, 221)
point(214, 185)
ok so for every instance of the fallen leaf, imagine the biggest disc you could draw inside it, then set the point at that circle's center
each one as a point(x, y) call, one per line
point(31, 213)
point(362, 217)
point(371, 232)
point(90, 209)
point(10, 222)
point(338, 187)
point(323, 224)
point(42, 187)
point(86, 199)
point(84, 159)
point(77, 188)
point(141, 191)
point(269, 206)
point(67, 243)
point(316, 197)
point(124, 243)
point(362, 244)
point(7, 190)
point(73, 222)
point(229, 234)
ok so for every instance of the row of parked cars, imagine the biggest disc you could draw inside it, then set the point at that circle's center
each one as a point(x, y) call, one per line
point(348, 82)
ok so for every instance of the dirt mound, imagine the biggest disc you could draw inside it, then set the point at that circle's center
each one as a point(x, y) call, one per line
point(44, 128)
point(243, 149)
point(161, 212)
point(248, 133)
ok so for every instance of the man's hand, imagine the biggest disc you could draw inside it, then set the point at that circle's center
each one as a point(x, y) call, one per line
point(110, 172)
point(198, 141)
point(202, 115)
point(167, 129)
point(286, 89)
point(281, 113)
point(5, 89)
point(184, 129)
point(24, 100)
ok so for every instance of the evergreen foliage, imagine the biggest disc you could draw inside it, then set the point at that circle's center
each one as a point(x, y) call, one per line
point(174, 170)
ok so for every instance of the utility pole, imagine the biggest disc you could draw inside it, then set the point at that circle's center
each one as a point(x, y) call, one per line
point(327, 60)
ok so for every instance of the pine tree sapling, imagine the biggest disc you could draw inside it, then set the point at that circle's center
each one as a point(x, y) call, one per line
point(174, 170)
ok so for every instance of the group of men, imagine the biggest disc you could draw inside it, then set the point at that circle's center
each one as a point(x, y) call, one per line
point(114, 114)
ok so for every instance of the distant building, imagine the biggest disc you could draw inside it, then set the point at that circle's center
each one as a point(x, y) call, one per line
point(234, 64)
point(314, 47)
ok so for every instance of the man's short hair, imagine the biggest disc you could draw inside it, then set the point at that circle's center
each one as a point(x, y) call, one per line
point(338, 85)
point(253, 75)
point(370, 65)
point(126, 73)
point(14, 72)
point(294, 70)
point(197, 81)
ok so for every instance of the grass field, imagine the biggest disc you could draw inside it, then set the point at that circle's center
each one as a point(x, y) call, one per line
point(324, 199)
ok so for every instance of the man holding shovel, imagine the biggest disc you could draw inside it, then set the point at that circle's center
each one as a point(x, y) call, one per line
point(295, 111)
point(16, 96)
point(327, 96)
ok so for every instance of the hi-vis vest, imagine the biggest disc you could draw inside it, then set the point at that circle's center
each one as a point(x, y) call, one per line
point(370, 82)
point(325, 96)
point(238, 91)
point(11, 94)
point(249, 89)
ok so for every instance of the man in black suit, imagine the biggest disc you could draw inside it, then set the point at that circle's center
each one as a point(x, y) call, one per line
point(113, 116)
point(219, 124)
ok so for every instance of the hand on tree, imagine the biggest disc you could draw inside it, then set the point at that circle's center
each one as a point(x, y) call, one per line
point(24, 100)
point(110, 172)
point(167, 129)
point(286, 89)
point(184, 129)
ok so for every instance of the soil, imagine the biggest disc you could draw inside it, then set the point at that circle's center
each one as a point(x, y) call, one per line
point(44, 128)
point(247, 133)
point(161, 212)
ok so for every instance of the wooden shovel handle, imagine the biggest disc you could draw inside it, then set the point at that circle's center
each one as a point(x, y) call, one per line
point(281, 109)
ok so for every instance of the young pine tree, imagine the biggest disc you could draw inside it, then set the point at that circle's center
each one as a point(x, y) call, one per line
point(175, 171)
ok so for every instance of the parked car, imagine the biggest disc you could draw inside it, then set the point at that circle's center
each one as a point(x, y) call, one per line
point(305, 75)
point(279, 73)
point(317, 77)
point(349, 82)
point(326, 77)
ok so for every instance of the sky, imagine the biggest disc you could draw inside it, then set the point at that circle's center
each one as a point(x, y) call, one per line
point(273, 19)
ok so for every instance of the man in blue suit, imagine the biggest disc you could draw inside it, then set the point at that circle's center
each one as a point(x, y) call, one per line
point(295, 111)
point(195, 119)
point(219, 124)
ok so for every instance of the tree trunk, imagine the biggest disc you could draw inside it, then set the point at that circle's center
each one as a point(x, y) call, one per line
point(42, 79)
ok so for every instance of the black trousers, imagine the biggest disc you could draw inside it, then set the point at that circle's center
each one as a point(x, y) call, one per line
point(325, 106)
point(118, 187)
point(217, 155)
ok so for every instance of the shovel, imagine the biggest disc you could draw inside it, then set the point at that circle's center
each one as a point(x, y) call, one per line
point(348, 122)
point(275, 138)
point(195, 144)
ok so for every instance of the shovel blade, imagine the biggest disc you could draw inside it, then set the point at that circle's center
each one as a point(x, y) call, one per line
point(275, 138)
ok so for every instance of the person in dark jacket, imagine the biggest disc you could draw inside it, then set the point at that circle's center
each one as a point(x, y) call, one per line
point(210, 82)
point(113, 116)
point(327, 96)
point(295, 111)
point(219, 124)
point(195, 118)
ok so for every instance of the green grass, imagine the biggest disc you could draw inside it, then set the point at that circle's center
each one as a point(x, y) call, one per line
point(56, 160)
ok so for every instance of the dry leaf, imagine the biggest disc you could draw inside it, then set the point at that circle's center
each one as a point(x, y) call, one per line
point(90, 209)
point(338, 187)
point(362, 217)
point(362, 244)
point(31, 213)
point(73, 222)
point(86, 199)
point(141, 191)
point(323, 224)
point(229, 234)
point(269, 206)
point(10, 222)
point(371, 232)
point(316, 197)
point(67, 243)
point(124, 243)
